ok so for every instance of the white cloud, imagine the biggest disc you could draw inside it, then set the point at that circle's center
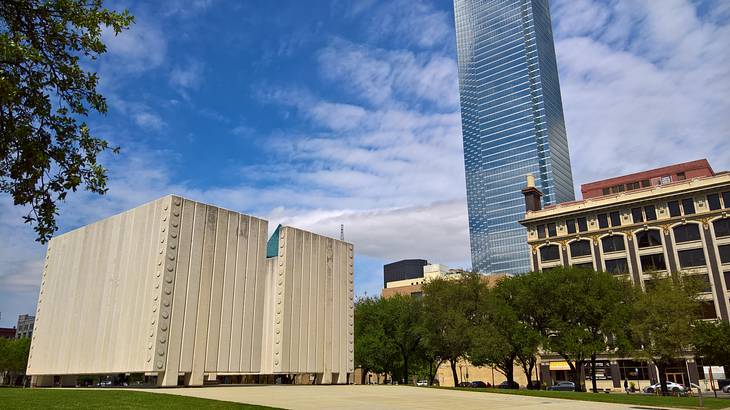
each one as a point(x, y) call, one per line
point(140, 48)
point(655, 95)
point(380, 76)
point(187, 77)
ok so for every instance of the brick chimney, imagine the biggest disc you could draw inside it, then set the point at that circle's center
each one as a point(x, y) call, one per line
point(533, 196)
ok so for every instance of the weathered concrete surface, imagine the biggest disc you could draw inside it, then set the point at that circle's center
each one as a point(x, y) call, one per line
point(378, 397)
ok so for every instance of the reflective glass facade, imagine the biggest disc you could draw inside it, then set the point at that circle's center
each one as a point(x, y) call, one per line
point(512, 123)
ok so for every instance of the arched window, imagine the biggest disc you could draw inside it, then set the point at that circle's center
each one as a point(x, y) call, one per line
point(686, 233)
point(722, 227)
point(613, 243)
point(550, 253)
point(648, 238)
point(580, 248)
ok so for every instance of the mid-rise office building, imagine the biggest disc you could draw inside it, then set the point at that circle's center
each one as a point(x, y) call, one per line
point(679, 225)
point(24, 327)
point(512, 123)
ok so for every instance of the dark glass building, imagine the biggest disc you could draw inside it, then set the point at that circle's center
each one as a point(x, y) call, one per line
point(512, 123)
point(403, 269)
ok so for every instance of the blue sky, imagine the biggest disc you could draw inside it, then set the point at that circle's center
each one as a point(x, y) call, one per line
point(315, 114)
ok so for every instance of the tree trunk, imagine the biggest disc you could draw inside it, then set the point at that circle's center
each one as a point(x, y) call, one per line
point(405, 369)
point(509, 371)
point(577, 375)
point(593, 373)
point(453, 372)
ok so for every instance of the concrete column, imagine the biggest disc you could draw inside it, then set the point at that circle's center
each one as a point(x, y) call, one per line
point(341, 378)
point(615, 374)
point(167, 379)
point(633, 260)
point(596, 243)
point(68, 381)
point(327, 378)
point(41, 381)
point(715, 272)
point(670, 251)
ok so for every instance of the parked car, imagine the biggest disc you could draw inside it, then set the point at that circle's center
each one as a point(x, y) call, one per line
point(422, 383)
point(480, 385)
point(506, 385)
point(465, 384)
point(671, 386)
point(562, 386)
point(726, 389)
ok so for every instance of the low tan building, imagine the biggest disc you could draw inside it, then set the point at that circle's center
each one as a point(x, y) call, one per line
point(178, 289)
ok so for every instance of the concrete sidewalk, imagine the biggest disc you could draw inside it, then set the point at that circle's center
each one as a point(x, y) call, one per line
point(377, 397)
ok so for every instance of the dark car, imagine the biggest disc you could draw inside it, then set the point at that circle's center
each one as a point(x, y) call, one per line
point(562, 386)
point(479, 385)
point(507, 385)
point(465, 384)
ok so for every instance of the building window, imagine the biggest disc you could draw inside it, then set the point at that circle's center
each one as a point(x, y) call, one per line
point(541, 231)
point(617, 266)
point(707, 309)
point(653, 262)
point(551, 230)
point(615, 219)
point(673, 208)
point(637, 216)
point(727, 280)
point(645, 183)
point(686, 233)
point(713, 201)
point(602, 221)
point(681, 176)
point(722, 227)
point(632, 185)
point(585, 265)
point(665, 180)
point(702, 281)
point(648, 238)
point(613, 243)
point(650, 212)
point(691, 258)
point(724, 253)
point(570, 224)
point(550, 253)
point(689, 206)
point(582, 224)
point(606, 191)
point(580, 248)
point(726, 199)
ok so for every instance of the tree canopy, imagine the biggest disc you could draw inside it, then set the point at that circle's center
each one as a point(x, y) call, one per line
point(46, 148)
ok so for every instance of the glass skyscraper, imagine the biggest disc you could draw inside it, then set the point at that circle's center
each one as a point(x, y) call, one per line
point(512, 123)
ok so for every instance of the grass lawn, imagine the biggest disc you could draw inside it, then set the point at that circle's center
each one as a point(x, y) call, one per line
point(622, 398)
point(16, 398)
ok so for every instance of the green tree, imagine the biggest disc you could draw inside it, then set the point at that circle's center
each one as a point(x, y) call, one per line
point(593, 320)
point(45, 149)
point(373, 350)
point(14, 357)
point(663, 321)
point(403, 327)
point(451, 307)
point(711, 341)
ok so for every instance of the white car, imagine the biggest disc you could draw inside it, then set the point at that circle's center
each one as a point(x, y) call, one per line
point(671, 386)
point(726, 389)
point(422, 383)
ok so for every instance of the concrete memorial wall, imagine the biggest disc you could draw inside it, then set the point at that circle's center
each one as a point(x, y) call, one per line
point(177, 287)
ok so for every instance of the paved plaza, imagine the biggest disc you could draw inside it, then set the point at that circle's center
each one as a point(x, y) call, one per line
point(377, 397)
